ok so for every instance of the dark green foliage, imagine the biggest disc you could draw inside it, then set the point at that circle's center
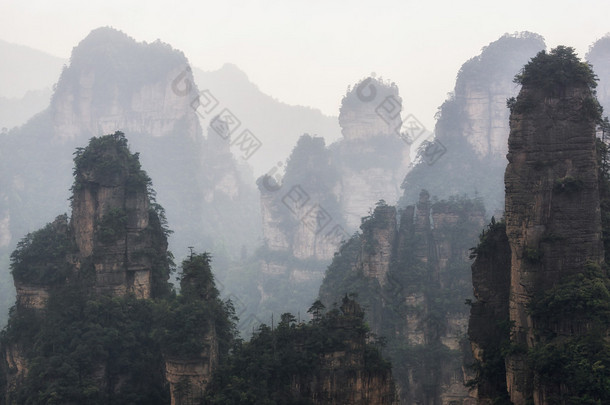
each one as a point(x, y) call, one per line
point(94, 349)
point(107, 160)
point(197, 280)
point(487, 243)
point(36, 160)
point(532, 255)
point(585, 296)
point(491, 371)
point(568, 185)
point(41, 257)
point(379, 219)
point(578, 364)
point(89, 350)
point(187, 320)
point(576, 360)
point(83, 347)
point(554, 71)
point(340, 276)
point(551, 74)
point(113, 226)
point(489, 325)
point(161, 259)
point(265, 369)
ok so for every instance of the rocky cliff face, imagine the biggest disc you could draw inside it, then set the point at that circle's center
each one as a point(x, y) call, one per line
point(413, 276)
point(434, 240)
point(554, 233)
point(489, 325)
point(111, 217)
point(96, 288)
point(378, 245)
point(153, 108)
point(374, 154)
point(482, 87)
point(114, 231)
point(114, 83)
point(551, 193)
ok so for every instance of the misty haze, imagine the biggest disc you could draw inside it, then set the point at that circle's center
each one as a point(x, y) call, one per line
point(305, 204)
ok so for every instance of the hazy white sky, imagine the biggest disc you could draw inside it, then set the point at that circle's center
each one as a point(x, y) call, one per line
point(308, 52)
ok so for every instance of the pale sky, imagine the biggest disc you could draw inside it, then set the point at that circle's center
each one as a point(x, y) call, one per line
point(308, 52)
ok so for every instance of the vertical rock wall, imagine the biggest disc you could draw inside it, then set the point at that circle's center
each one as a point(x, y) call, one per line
point(414, 276)
point(110, 218)
point(552, 207)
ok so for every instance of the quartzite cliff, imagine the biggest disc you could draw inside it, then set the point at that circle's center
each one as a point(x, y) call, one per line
point(413, 277)
point(85, 287)
point(548, 301)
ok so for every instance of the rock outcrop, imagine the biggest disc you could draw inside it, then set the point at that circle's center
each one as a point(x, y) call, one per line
point(378, 245)
point(414, 276)
point(554, 233)
point(302, 227)
point(96, 95)
point(96, 288)
point(489, 324)
point(551, 193)
point(374, 154)
point(325, 192)
point(148, 91)
point(344, 377)
point(111, 217)
point(189, 372)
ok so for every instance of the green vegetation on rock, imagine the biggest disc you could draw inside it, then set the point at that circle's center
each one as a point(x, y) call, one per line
point(288, 363)
point(576, 359)
point(41, 256)
point(106, 160)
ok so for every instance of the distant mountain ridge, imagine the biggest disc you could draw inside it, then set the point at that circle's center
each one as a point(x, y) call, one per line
point(26, 78)
point(24, 69)
point(277, 125)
